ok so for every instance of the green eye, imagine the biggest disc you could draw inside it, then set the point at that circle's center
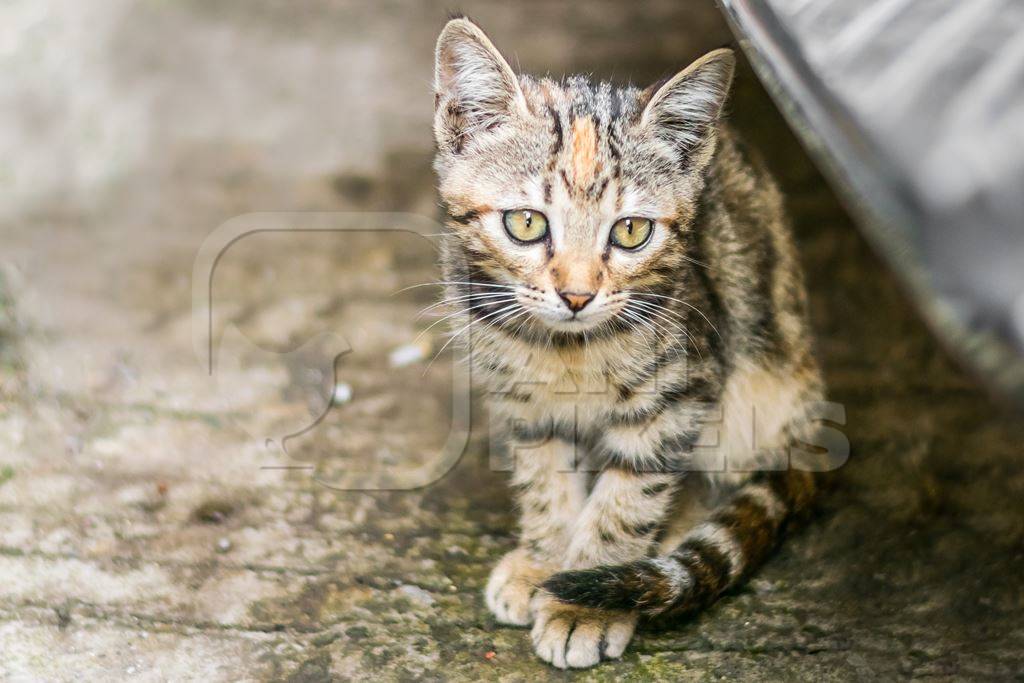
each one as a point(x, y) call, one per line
point(525, 225)
point(631, 233)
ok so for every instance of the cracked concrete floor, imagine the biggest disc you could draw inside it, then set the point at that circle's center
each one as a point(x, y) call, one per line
point(146, 530)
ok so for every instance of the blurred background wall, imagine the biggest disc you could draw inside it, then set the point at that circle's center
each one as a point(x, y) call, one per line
point(144, 104)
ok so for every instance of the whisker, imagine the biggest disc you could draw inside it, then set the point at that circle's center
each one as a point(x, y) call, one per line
point(667, 326)
point(632, 327)
point(492, 314)
point(508, 318)
point(516, 332)
point(453, 282)
point(657, 327)
point(464, 297)
point(696, 262)
point(652, 309)
point(458, 312)
point(685, 303)
point(454, 336)
point(660, 307)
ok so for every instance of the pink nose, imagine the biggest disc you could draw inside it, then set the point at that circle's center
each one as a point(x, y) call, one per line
point(576, 300)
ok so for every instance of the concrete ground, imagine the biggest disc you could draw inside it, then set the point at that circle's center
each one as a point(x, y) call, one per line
point(149, 529)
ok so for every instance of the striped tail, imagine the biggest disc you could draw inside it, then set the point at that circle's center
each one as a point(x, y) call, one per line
point(712, 558)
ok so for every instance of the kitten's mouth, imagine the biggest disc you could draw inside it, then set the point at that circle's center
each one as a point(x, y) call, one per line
point(575, 324)
point(572, 324)
point(560, 320)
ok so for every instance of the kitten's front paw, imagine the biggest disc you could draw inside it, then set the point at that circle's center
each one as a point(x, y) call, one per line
point(513, 583)
point(569, 636)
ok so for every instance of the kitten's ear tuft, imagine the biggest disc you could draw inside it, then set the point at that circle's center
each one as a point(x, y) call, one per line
point(686, 108)
point(475, 88)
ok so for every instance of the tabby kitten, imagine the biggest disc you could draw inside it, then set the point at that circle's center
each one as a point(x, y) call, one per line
point(636, 312)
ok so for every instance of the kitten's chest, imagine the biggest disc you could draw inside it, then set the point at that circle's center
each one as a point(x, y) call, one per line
point(567, 386)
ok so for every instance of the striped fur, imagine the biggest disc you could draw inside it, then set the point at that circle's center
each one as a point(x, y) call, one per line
point(691, 358)
point(711, 559)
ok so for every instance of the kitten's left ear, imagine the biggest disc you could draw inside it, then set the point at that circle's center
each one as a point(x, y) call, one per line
point(685, 110)
point(475, 88)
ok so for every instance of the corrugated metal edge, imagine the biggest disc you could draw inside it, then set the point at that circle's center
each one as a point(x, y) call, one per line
point(867, 182)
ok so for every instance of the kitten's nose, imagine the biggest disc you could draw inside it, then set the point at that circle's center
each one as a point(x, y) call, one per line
point(576, 300)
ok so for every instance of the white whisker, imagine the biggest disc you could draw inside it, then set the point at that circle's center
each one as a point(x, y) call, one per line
point(453, 282)
point(460, 312)
point(696, 262)
point(685, 303)
point(656, 326)
point(464, 298)
point(634, 321)
point(510, 307)
point(655, 310)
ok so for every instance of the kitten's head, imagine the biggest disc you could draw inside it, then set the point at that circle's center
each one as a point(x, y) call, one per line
point(567, 199)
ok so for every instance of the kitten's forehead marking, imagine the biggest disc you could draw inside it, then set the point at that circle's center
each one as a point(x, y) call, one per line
point(584, 151)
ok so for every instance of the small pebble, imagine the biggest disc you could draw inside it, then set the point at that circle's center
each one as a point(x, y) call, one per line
point(409, 353)
point(223, 545)
point(342, 393)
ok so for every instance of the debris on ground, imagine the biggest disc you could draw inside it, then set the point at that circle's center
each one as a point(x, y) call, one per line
point(407, 354)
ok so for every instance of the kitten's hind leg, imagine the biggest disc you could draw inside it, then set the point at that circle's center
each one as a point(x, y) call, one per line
point(694, 502)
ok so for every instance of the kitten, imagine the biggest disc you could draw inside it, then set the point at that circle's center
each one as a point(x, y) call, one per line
point(637, 312)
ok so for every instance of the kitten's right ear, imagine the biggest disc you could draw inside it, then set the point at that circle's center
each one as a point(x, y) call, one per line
point(475, 88)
